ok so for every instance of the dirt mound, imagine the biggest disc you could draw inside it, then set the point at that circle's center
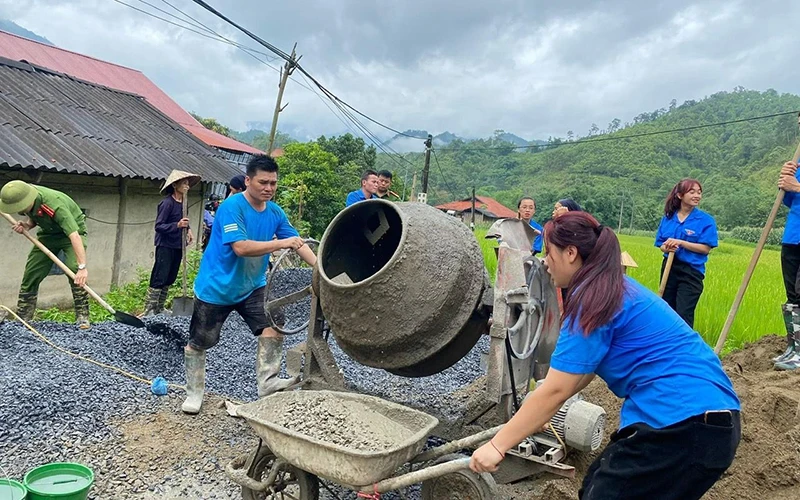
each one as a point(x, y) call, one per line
point(767, 463)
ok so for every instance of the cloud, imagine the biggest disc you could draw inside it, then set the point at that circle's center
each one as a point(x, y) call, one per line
point(536, 69)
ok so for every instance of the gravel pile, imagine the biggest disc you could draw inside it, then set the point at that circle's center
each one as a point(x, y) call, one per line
point(56, 407)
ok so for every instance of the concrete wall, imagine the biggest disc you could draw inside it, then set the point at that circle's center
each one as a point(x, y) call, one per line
point(100, 197)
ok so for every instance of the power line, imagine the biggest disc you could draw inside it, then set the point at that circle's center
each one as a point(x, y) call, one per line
point(288, 58)
point(631, 136)
point(218, 38)
point(444, 177)
point(199, 25)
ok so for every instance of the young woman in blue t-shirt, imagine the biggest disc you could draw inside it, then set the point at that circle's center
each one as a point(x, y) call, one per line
point(691, 234)
point(679, 423)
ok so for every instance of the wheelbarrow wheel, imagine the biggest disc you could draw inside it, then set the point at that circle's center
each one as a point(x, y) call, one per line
point(462, 485)
point(290, 484)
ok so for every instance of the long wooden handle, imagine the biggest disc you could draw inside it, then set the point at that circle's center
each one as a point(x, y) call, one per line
point(723, 336)
point(60, 264)
point(665, 276)
point(183, 244)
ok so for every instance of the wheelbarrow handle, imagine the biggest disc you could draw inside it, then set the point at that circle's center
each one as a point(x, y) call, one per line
point(58, 262)
point(418, 476)
point(236, 472)
point(459, 444)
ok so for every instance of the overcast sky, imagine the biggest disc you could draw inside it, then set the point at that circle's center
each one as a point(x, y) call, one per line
point(469, 66)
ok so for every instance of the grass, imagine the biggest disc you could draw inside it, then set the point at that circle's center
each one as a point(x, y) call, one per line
point(128, 298)
point(760, 311)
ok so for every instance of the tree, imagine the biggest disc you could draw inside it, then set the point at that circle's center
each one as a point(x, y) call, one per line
point(348, 148)
point(261, 141)
point(213, 124)
point(309, 170)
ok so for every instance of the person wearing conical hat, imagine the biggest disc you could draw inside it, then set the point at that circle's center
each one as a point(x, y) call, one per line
point(62, 228)
point(169, 231)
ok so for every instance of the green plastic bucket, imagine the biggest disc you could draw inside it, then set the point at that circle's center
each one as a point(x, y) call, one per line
point(12, 490)
point(62, 481)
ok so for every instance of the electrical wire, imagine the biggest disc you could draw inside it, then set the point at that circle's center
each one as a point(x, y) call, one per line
point(134, 223)
point(444, 177)
point(289, 59)
point(631, 136)
point(218, 38)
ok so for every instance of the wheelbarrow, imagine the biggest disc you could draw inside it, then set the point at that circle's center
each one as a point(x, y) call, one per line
point(368, 445)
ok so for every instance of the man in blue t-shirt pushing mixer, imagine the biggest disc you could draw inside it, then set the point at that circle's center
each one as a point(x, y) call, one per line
point(248, 227)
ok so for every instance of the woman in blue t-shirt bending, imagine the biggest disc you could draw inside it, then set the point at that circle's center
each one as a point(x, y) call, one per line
point(679, 423)
point(691, 234)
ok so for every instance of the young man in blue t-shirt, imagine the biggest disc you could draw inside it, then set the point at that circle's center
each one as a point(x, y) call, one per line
point(232, 277)
point(369, 186)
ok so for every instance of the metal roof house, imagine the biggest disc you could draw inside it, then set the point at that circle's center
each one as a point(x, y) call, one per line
point(120, 78)
point(108, 149)
point(486, 209)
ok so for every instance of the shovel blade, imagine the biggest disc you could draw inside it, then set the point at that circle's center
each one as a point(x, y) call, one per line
point(127, 319)
point(182, 306)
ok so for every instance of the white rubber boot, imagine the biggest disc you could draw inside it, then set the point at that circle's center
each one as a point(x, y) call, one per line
point(789, 323)
point(268, 367)
point(793, 361)
point(195, 380)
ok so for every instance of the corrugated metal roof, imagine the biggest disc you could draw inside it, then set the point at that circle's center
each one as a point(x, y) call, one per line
point(483, 203)
point(52, 121)
point(116, 77)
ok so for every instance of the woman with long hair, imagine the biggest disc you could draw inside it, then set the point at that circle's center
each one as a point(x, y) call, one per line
point(679, 423)
point(526, 209)
point(690, 234)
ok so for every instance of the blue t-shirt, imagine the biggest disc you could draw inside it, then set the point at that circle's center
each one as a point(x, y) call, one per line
point(698, 227)
point(224, 278)
point(652, 359)
point(355, 197)
point(537, 242)
point(791, 233)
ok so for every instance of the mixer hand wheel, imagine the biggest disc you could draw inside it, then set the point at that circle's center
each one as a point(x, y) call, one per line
point(288, 259)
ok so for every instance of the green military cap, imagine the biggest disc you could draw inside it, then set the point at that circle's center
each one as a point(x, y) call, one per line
point(17, 196)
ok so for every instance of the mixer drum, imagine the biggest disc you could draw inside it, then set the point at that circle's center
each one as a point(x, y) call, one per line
point(400, 285)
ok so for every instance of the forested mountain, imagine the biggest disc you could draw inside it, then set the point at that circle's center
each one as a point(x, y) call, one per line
point(606, 173)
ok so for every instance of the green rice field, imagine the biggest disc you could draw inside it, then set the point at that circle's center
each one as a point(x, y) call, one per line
point(760, 312)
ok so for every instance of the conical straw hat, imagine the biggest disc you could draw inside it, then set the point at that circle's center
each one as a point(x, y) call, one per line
point(179, 175)
point(627, 260)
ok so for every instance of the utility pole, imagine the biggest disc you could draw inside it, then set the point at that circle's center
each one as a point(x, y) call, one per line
point(413, 186)
point(621, 204)
point(472, 223)
point(423, 195)
point(633, 208)
point(286, 70)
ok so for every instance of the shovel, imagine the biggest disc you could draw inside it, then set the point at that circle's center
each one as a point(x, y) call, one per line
point(118, 316)
point(665, 276)
point(183, 306)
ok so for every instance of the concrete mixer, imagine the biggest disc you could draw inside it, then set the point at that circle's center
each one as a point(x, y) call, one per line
point(402, 287)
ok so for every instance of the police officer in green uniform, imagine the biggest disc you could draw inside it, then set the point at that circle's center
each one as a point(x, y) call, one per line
point(62, 228)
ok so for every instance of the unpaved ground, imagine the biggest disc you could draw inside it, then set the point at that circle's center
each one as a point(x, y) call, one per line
point(159, 453)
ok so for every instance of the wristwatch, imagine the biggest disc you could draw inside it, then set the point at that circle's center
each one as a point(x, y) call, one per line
point(81, 267)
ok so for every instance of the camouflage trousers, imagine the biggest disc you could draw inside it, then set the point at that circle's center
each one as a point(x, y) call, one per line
point(38, 267)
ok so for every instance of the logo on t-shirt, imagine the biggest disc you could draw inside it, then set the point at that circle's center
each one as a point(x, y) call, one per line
point(230, 228)
point(689, 232)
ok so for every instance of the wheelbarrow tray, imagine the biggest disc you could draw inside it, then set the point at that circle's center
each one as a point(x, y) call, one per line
point(344, 465)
